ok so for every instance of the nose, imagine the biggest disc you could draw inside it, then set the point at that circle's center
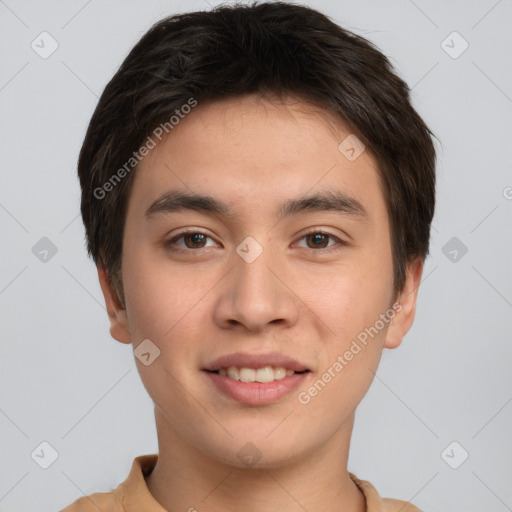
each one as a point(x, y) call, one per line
point(257, 293)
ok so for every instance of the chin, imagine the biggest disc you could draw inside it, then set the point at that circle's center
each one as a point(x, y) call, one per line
point(257, 451)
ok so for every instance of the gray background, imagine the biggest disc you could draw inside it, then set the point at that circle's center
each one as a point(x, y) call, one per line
point(64, 381)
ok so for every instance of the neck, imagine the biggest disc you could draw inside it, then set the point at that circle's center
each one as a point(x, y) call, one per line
point(187, 479)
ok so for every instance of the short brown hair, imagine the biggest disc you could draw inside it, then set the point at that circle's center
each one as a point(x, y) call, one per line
point(275, 49)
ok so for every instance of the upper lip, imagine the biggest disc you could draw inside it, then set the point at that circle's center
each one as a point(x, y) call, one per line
point(245, 360)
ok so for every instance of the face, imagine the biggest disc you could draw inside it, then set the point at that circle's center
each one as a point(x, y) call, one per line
point(280, 261)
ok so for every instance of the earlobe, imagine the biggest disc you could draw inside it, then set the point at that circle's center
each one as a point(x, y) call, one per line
point(119, 328)
point(404, 316)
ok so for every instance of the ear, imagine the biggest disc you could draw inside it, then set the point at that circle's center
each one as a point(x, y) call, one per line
point(403, 319)
point(119, 328)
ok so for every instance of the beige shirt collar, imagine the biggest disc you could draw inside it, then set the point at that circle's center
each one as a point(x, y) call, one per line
point(133, 494)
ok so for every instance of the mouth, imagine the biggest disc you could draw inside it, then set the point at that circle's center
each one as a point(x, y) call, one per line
point(256, 379)
point(249, 391)
point(263, 375)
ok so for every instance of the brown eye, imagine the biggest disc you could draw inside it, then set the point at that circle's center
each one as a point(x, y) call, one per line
point(196, 240)
point(320, 240)
point(191, 240)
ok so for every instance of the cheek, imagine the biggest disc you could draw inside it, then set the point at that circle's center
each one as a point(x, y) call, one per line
point(164, 306)
point(349, 297)
point(156, 298)
point(168, 305)
point(351, 303)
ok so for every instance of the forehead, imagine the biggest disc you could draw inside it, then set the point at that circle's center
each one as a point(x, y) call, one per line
point(255, 153)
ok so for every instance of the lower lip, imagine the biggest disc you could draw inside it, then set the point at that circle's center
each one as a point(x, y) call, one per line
point(257, 393)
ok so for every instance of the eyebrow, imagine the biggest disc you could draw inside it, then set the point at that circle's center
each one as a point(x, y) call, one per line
point(336, 201)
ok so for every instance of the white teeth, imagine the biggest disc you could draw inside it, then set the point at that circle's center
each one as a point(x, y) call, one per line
point(247, 374)
point(263, 375)
point(280, 373)
point(233, 373)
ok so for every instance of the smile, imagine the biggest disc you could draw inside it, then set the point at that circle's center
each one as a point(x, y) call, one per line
point(263, 375)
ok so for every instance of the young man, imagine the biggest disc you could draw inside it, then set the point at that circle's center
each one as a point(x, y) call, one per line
point(257, 193)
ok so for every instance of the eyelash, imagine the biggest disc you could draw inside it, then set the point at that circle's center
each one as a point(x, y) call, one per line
point(169, 244)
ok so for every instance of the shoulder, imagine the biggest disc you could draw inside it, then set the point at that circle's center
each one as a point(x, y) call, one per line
point(391, 505)
point(133, 490)
point(375, 503)
point(104, 501)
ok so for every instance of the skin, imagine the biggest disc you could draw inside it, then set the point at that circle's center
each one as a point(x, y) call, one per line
point(304, 300)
